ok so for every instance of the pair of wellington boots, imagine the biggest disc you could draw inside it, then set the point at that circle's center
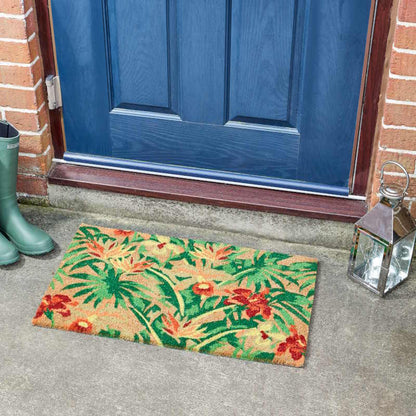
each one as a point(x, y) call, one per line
point(16, 234)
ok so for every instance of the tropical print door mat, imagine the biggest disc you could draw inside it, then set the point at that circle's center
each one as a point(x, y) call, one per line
point(195, 295)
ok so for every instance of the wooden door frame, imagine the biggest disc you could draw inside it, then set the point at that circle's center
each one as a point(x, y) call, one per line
point(377, 39)
point(307, 204)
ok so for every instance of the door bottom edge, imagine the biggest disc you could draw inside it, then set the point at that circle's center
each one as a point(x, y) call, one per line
point(202, 175)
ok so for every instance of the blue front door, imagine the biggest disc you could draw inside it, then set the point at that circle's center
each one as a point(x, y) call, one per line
point(262, 92)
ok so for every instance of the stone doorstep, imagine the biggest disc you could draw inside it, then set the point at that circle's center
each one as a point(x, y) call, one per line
point(316, 232)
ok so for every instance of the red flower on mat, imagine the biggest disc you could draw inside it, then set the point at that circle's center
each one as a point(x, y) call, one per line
point(203, 288)
point(296, 344)
point(171, 324)
point(81, 325)
point(256, 303)
point(57, 303)
point(124, 233)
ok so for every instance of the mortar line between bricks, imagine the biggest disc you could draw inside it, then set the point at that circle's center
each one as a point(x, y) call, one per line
point(34, 155)
point(406, 51)
point(401, 175)
point(400, 151)
point(406, 198)
point(23, 110)
point(19, 87)
point(396, 127)
point(34, 133)
point(406, 24)
point(12, 40)
point(19, 64)
point(400, 102)
point(17, 16)
point(404, 77)
point(32, 175)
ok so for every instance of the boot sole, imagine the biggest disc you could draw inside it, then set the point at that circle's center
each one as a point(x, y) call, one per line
point(6, 263)
point(36, 252)
point(48, 249)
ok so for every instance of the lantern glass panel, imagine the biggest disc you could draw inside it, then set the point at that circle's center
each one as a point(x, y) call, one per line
point(400, 261)
point(369, 259)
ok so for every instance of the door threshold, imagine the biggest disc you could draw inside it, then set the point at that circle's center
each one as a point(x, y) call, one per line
point(210, 193)
point(206, 175)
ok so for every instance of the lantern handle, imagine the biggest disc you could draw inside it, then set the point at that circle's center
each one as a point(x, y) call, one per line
point(392, 162)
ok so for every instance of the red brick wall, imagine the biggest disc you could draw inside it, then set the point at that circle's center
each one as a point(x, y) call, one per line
point(396, 137)
point(22, 94)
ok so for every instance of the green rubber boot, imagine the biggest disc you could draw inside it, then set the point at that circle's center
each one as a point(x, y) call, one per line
point(8, 252)
point(27, 238)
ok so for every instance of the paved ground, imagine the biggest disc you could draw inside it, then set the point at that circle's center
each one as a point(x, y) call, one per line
point(361, 358)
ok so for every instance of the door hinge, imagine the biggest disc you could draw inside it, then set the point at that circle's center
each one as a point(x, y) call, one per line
point(53, 87)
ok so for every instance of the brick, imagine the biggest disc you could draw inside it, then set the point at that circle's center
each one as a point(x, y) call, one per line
point(23, 121)
point(400, 115)
point(31, 24)
point(11, 7)
point(35, 144)
point(28, 121)
point(398, 139)
point(20, 53)
point(12, 28)
point(403, 63)
point(23, 76)
point(32, 185)
point(15, 52)
point(405, 37)
point(401, 89)
point(28, 99)
point(38, 165)
point(15, 6)
point(407, 11)
point(18, 28)
point(407, 160)
point(399, 180)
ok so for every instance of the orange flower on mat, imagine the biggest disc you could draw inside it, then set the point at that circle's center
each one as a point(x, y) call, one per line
point(181, 329)
point(215, 255)
point(81, 325)
point(57, 303)
point(203, 288)
point(124, 233)
point(109, 249)
point(256, 303)
point(296, 344)
point(129, 266)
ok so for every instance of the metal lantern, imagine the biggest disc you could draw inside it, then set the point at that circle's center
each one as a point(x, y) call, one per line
point(384, 240)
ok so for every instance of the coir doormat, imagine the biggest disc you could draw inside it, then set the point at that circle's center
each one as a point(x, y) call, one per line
point(196, 295)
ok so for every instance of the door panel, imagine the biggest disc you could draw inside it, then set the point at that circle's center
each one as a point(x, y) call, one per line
point(262, 92)
point(139, 53)
point(238, 150)
point(330, 97)
point(262, 42)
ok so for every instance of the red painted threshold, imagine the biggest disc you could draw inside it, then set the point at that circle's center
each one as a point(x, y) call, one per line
point(187, 190)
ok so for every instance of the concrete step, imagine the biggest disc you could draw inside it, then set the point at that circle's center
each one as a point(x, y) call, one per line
point(284, 228)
